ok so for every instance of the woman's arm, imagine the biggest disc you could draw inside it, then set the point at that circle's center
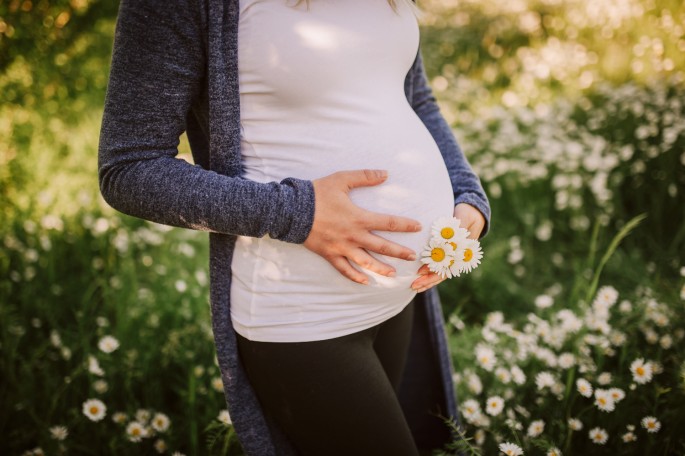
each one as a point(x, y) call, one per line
point(157, 74)
point(466, 185)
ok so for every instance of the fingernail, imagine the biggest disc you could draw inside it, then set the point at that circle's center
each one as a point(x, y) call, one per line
point(381, 173)
point(417, 227)
point(391, 274)
point(411, 257)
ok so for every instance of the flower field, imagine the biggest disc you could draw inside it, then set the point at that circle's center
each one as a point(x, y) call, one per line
point(568, 338)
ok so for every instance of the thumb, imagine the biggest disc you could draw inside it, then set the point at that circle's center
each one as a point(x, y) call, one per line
point(364, 177)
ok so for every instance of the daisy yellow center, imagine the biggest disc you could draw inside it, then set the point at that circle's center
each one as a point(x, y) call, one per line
point(454, 245)
point(602, 400)
point(493, 404)
point(437, 254)
point(447, 232)
point(640, 370)
point(468, 254)
point(510, 452)
point(135, 431)
point(94, 410)
point(650, 425)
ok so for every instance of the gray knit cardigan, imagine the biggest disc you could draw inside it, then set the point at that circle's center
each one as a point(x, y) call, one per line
point(174, 70)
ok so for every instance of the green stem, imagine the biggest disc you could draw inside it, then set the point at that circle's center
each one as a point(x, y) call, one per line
point(632, 223)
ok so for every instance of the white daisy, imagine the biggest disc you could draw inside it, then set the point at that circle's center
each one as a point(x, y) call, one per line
point(606, 296)
point(503, 375)
point(135, 431)
point(544, 380)
point(604, 378)
point(438, 256)
point(94, 409)
point(119, 418)
point(474, 384)
point(160, 446)
point(510, 449)
point(604, 401)
point(575, 424)
point(485, 357)
point(471, 254)
point(651, 424)
point(518, 375)
point(544, 301)
point(625, 306)
point(629, 437)
point(479, 437)
point(100, 386)
point(224, 417)
point(218, 384)
point(584, 387)
point(641, 370)
point(449, 230)
point(94, 367)
point(566, 360)
point(108, 344)
point(598, 436)
point(160, 422)
point(536, 428)
point(59, 432)
point(554, 451)
point(143, 415)
point(469, 408)
point(617, 394)
point(494, 405)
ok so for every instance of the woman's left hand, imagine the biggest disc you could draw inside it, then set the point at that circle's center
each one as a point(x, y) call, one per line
point(471, 219)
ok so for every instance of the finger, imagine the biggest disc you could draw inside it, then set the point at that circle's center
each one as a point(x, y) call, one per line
point(362, 177)
point(366, 261)
point(345, 268)
point(429, 286)
point(426, 281)
point(423, 270)
point(377, 244)
point(386, 222)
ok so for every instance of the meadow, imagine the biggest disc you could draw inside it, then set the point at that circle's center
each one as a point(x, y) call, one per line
point(567, 339)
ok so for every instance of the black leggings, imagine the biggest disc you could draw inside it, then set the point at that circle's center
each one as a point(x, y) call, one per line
point(336, 396)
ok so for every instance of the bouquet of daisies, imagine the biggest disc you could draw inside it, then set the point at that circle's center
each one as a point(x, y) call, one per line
point(450, 252)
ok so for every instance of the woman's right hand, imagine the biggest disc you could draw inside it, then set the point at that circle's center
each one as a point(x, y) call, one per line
point(341, 232)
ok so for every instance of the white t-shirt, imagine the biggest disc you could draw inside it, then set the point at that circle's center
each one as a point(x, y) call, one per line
point(321, 91)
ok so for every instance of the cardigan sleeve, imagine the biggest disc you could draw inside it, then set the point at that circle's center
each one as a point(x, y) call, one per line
point(465, 183)
point(158, 71)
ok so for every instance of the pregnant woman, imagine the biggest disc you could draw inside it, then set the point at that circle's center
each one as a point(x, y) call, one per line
point(321, 162)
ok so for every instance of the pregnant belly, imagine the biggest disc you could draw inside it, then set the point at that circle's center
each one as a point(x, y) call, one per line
point(418, 187)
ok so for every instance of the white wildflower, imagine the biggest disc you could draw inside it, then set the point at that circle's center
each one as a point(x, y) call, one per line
point(59, 432)
point(536, 428)
point(584, 387)
point(224, 417)
point(598, 436)
point(575, 424)
point(604, 401)
point(651, 424)
point(94, 409)
point(544, 380)
point(495, 405)
point(160, 422)
point(135, 431)
point(510, 449)
point(108, 344)
point(641, 370)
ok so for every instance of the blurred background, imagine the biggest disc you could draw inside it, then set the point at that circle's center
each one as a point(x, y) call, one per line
point(571, 112)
